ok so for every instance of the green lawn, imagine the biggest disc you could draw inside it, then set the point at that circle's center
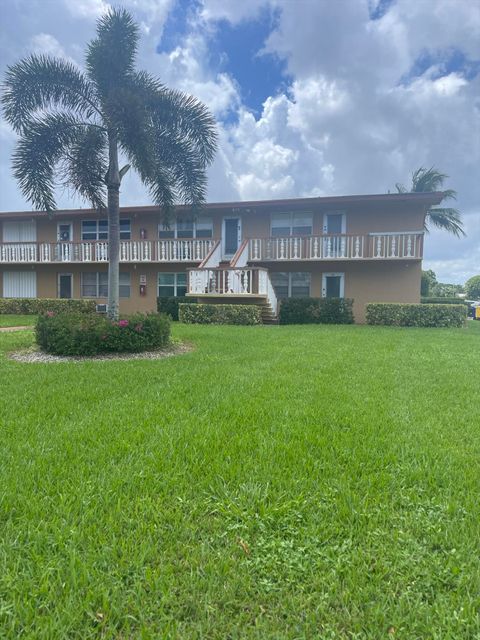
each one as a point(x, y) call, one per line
point(16, 321)
point(277, 482)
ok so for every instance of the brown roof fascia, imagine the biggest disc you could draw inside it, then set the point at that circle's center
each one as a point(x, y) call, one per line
point(252, 206)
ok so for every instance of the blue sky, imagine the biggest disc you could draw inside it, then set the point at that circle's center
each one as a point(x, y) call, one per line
point(312, 97)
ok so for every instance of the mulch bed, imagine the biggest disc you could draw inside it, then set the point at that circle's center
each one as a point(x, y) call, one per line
point(34, 355)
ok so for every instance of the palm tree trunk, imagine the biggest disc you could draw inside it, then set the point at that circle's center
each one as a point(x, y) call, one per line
point(113, 188)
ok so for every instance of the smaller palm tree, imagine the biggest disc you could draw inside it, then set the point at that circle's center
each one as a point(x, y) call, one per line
point(447, 218)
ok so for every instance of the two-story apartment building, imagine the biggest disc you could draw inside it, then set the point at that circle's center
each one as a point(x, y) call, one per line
point(366, 247)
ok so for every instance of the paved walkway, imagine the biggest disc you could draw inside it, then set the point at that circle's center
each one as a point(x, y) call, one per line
point(6, 329)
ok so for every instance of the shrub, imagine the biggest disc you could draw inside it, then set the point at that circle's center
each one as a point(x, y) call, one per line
point(169, 305)
point(472, 288)
point(220, 313)
point(35, 306)
point(443, 301)
point(81, 334)
point(316, 311)
point(417, 315)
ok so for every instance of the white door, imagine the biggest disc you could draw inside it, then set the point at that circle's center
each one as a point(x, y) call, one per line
point(64, 245)
point(19, 284)
point(333, 285)
point(231, 236)
point(334, 225)
point(24, 231)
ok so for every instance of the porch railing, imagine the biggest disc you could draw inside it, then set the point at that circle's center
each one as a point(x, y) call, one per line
point(191, 250)
point(337, 247)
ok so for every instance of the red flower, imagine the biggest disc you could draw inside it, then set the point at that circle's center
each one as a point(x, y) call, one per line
point(123, 323)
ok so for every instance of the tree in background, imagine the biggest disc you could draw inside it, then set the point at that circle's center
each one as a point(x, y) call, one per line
point(429, 279)
point(472, 288)
point(73, 124)
point(425, 180)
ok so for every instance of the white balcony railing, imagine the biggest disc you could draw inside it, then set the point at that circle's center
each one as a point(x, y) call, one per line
point(192, 250)
point(384, 246)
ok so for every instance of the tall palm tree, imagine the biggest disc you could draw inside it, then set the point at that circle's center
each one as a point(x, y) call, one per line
point(73, 124)
point(445, 218)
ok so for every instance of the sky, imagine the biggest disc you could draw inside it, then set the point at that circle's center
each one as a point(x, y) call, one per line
point(312, 97)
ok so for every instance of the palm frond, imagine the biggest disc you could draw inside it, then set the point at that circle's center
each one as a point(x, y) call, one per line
point(41, 82)
point(183, 114)
point(86, 165)
point(401, 188)
point(447, 219)
point(111, 56)
point(425, 180)
point(44, 142)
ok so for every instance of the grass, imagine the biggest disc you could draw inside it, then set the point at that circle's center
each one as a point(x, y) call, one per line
point(277, 482)
point(16, 320)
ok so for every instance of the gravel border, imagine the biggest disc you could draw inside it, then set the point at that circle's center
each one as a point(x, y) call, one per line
point(34, 355)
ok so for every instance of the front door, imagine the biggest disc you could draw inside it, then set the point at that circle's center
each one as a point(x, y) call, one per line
point(333, 285)
point(231, 236)
point(64, 285)
point(64, 246)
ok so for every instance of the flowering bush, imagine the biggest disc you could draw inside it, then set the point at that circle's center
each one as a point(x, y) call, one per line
point(80, 334)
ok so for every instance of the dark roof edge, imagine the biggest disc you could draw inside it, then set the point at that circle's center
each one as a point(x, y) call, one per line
point(429, 198)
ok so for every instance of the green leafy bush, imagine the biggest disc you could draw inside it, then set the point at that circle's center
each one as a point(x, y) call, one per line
point(316, 311)
point(443, 301)
point(169, 305)
point(417, 315)
point(35, 306)
point(220, 313)
point(81, 334)
point(472, 288)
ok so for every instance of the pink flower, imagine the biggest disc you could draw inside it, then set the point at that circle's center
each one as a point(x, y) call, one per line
point(50, 314)
point(123, 323)
point(139, 327)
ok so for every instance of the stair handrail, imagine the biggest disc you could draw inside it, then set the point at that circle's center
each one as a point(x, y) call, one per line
point(211, 255)
point(267, 289)
point(240, 259)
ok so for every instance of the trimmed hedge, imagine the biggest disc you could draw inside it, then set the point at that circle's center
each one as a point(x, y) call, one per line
point(169, 305)
point(417, 315)
point(82, 334)
point(443, 301)
point(35, 306)
point(220, 313)
point(316, 311)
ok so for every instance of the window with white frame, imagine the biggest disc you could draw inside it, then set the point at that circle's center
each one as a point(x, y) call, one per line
point(201, 227)
point(94, 284)
point(291, 224)
point(172, 285)
point(291, 284)
point(98, 229)
point(334, 222)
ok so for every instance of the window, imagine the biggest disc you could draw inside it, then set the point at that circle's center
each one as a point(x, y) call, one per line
point(291, 224)
point(124, 285)
point(172, 285)
point(125, 230)
point(98, 229)
point(333, 285)
point(201, 227)
point(94, 284)
point(291, 285)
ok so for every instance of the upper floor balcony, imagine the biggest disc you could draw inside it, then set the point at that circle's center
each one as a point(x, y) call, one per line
point(190, 250)
point(372, 246)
